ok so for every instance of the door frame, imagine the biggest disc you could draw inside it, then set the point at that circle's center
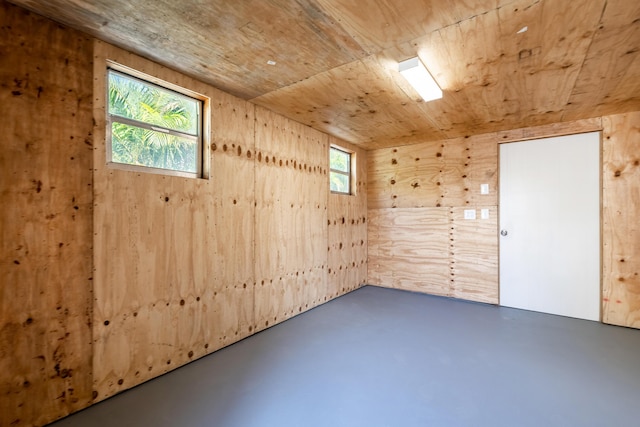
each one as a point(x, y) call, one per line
point(598, 130)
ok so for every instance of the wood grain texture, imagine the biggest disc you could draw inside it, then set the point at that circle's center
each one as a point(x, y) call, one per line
point(347, 231)
point(611, 70)
point(620, 210)
point(332, 64)
point(173, 256)
point(434, 174)
point(443, 177)
point(382, 23)
point(493, 78)
point(226, 44)
point(435, 251)
point(179, 263)
point(409, 249)
point(291, 218)
point(45, 219)
point(186, 266)
point(548, 131)
point(418, 239)
point(474, 255)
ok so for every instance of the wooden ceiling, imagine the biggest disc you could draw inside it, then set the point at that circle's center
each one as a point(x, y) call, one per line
point(336, 60)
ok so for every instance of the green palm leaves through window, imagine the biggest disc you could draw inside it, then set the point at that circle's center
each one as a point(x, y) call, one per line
point(339, 171)
point(152, 126)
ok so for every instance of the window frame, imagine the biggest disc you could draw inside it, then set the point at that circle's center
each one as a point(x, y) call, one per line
point(202, 123)
point(349, 173)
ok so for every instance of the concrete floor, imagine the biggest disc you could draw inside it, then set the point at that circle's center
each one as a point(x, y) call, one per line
point(381, 357)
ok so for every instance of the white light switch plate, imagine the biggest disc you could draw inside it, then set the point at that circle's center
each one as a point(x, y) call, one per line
point(484, 213)
point(484, 188)
point(469, 214)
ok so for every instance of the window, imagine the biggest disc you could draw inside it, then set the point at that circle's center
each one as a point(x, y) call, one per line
point(153, 128)
point(339, 171)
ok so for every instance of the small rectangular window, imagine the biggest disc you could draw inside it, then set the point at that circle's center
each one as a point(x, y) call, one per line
point(339, 171)
point(153, 127)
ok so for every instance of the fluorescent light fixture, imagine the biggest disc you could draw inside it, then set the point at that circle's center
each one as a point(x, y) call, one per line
point(418, 76)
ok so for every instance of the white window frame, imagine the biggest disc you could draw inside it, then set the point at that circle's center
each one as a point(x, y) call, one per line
point(203, 104)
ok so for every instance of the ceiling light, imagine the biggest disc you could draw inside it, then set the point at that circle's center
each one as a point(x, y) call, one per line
point(419, 77)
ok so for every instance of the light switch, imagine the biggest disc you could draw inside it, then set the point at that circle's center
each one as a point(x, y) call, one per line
point(484, 213)
point(484, 188)
point(469, 214)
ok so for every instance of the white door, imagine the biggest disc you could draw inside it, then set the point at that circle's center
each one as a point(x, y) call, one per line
point(550, 225)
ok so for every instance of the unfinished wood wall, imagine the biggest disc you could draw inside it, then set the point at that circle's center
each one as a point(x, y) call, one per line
point(418, 237)
point(347, 230)
point(112, 277)
point(419, 240)
point(173, 256)
point(291, 210)
point(620, 220)
point(45, 219)
point(186, 266)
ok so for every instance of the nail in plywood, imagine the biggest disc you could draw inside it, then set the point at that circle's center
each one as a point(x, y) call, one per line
point(45, 219)
point(436, 251)
point(443, 175)
point(347, 231)
point(435, 174)
point(620, 230)
point(409, 249)
point(173, 256)
point(291, 185)
point(233, 176)
point(474, 256)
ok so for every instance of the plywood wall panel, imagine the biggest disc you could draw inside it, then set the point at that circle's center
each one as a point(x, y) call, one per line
point(473, 250)
point(474, 255)
point(468, 163)
point(409, 249)
point(406, 177)
point(347, 231)
point(143, 225)
point(173, 256)
point(232, 179)
point(435, 251)
point(434, 174)
point(291, 218)
point(45, 219)
point(620, 230)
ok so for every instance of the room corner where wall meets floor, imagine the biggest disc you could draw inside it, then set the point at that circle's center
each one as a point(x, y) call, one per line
point(112, 277)
point(385, 357)
point(420, 192)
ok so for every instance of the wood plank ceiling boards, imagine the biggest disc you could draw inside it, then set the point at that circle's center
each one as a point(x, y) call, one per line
point(332, 64)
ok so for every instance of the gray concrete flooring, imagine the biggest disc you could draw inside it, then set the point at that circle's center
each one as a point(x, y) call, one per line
point(382, 357)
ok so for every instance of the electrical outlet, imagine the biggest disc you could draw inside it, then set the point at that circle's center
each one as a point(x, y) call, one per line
point(469, 214)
